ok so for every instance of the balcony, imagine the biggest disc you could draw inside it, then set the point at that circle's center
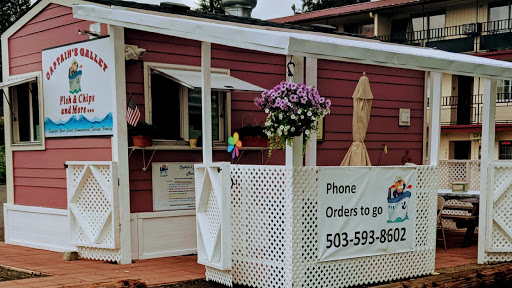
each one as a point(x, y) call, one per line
point(488, 36)
point(467, 110)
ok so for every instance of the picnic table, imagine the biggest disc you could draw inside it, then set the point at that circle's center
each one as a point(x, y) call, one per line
point(471, 220)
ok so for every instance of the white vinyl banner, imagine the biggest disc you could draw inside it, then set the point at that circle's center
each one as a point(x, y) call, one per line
point(365, 211)
point(79, 88)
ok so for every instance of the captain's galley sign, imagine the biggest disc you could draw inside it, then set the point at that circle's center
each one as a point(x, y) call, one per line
point(365, 211)
point(79, 88)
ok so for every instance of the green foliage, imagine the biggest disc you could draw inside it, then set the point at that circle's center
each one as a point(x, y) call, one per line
point(210, 6)
point(142, 129)
point(10, 10)
point(2, 164)
point(313, 5)
point(250, 130)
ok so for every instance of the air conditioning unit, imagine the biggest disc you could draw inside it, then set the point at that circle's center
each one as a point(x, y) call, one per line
point(472, 29)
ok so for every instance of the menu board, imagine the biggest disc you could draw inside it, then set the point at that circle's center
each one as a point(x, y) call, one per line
point(173, 186)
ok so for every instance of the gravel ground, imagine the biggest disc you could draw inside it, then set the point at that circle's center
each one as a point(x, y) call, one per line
point(8, 274)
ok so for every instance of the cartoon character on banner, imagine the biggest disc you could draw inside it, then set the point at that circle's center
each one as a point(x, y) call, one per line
point(399, 195)
point(234, 143)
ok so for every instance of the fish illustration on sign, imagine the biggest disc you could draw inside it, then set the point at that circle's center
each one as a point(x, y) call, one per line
point(399, 195)
point(75, 77)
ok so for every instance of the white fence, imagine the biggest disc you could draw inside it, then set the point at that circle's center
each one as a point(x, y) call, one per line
point(499, 203)
point(93, 209)
point(459, 170)
point(274, 233)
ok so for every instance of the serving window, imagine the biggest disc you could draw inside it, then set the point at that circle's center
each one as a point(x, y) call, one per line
point(24, 100)
point(173, 101)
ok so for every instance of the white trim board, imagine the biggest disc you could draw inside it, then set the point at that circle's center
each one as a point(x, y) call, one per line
point(316, 45)
point(163, 234)
point(37, 227)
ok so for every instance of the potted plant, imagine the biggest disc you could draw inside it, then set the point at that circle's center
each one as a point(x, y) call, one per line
point(293, 109)
point(142, 134)
point(253, 136)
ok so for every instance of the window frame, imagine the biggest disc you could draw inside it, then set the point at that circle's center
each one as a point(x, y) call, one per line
point(500, 150)
point(8, 113)
point(224, 102)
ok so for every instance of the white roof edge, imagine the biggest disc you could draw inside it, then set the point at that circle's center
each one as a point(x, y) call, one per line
point(259, 39)
point(309, 45)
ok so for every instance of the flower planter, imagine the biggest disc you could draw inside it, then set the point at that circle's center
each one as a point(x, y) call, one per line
point(255, 141)
point(142, 141)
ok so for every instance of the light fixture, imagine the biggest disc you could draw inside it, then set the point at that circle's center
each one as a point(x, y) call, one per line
point(133, 52)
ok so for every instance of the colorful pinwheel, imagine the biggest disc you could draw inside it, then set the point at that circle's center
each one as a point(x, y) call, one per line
point(234, 144)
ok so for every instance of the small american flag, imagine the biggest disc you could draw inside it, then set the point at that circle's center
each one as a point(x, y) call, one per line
point(132, 112)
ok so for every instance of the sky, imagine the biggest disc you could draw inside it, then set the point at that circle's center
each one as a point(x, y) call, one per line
point(266, 9)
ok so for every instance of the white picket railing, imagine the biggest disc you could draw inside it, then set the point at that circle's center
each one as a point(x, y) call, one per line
point(459, 170)
point(274, 233)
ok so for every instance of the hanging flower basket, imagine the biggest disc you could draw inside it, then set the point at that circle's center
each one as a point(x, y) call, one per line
point(293, 109)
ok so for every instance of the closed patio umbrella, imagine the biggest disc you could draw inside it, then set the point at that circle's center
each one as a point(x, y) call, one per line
point(357, 154)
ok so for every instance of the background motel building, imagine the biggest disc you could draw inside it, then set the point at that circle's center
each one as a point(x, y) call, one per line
point(51, 72)
point(476, 27)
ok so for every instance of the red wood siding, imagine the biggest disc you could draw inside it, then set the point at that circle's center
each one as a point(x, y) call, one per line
point(52, 27)
point(39, 176)
point(392, 88)
point(261, 69)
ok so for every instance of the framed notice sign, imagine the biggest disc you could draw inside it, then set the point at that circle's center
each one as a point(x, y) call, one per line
point(79, 88)
point(365, 211)
point(173, 186)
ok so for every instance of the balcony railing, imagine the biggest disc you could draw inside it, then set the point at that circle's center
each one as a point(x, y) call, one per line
point(450, 109)
point(492, 35)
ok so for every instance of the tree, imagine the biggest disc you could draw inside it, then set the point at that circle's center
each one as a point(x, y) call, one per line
point(10, 11)
point(210, 6)
point(313, 5)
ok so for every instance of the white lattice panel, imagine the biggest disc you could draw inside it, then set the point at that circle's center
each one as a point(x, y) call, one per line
point(499, 243)
point(343, 273)
point(274, 228)
point(261, 203)
point(94, 213)
point(213, 217)
point(465, 170)
point(220, 276)
point(474, 179)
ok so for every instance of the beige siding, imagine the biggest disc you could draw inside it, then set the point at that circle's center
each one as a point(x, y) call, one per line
point(463, 14)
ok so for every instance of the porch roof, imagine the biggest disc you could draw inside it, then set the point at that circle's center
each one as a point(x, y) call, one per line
point(293, 42)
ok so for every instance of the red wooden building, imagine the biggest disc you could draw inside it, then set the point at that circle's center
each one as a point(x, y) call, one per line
point(250, 53)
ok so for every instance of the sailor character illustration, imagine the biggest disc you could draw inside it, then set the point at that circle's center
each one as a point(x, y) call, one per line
point(399, 195)
point(75, 76)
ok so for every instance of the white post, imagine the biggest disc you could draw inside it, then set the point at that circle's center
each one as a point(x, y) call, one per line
point(9, 167)
point(435, 118)
point(120, 144)
point(206, 101)
point(488, 138)
point(294, 152)
point(311, 80)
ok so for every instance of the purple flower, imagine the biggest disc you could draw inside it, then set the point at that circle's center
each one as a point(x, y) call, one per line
point(294, 98)
point(293, 85)
point(303, 100)
point(322, 99)
point(328, 103)
point(301, 92)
